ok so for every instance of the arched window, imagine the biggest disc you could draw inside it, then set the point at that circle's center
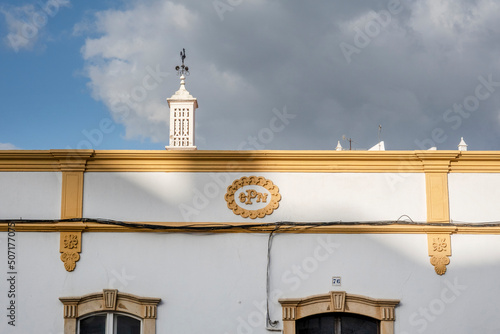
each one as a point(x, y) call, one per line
point(337, 323)
point(338, 313)
point(109, 323)
point(109, 312)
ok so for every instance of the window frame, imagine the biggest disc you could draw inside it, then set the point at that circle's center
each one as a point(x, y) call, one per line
point(338, 301)
point(110, 301)
point(338, 321)
point(110, 320)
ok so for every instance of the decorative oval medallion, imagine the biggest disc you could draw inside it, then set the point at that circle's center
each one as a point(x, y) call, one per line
point(252, 196)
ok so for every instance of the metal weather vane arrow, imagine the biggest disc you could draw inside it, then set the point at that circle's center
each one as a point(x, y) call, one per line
point(183, 69)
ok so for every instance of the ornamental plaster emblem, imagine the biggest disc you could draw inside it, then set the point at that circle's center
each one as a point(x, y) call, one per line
point(439, 250)
point(253, 196)
point(70, 247)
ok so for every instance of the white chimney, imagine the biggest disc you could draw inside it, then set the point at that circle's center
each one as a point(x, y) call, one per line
point(182, 108)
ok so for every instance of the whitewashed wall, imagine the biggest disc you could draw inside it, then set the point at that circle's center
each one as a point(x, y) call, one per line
point(199, 197)
point(30, 195)
point(474, 197)
point(216, 283)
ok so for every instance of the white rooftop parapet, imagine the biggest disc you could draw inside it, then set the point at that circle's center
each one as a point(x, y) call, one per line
point(379, 147)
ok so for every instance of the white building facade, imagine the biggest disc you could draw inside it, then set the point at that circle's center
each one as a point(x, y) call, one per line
point(187, 241)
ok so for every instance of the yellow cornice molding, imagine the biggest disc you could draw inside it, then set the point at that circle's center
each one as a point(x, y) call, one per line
point(72, 160)
point(252, 161)
point(477, 162)
point(437, 161)
point(43, 161)
point(27, 161)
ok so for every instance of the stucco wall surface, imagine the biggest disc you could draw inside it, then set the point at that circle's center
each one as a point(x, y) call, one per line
point(199, 197)
point(30, 195)
point(474, 197)
point(216, 283)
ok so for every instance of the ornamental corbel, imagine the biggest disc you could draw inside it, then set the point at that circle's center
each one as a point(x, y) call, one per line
point(70, 248)
point(439, 251)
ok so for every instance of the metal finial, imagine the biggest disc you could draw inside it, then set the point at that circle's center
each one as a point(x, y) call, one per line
point(182, 70)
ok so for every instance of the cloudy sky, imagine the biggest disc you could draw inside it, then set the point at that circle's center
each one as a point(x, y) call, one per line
point(277, 74)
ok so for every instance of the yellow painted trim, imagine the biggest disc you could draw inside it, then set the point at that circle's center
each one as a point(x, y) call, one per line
point(72, 164)
point(28, 161)
point(72, 195)
point(72, 160)
point(71, 207)
point(476, 162)
point(436, 186)
point(437, 161)
point(252, 161)
point(334, 229)
point(437, 166)
point(255, 161)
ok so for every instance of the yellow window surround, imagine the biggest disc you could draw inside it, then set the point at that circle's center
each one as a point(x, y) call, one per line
point(110, 300)
point(339, 301)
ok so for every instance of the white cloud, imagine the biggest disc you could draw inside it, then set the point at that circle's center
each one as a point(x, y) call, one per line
point(451, 25)
point(26, 23)
point(268, 55)
point(8, 146)
point(128, 71)
point(21, 34)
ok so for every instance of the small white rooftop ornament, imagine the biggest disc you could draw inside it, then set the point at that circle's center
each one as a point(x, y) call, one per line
point(462, 146)
point(339, 147)
point(182, 107)
point(379, 147)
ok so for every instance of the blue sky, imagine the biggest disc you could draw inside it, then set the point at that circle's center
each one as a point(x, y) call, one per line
point(46, 100)
point(427, 71)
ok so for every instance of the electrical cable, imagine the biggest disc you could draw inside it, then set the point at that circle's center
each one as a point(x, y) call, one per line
point(270, 324)
point(219, 227)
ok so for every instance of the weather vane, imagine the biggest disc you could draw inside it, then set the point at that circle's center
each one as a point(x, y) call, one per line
point(181, 70)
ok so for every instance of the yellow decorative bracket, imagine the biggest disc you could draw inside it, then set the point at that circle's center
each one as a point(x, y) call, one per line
point(70, 248)
point(439, 251)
